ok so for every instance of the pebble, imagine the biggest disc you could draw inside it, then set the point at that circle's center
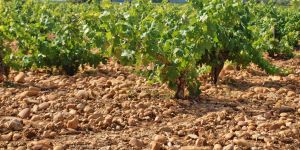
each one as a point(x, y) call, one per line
point(241, 142)
point(28, 93)
point(79, 106)
point(15, 125)
point(52, 97)
point(217, 147)
point(195, 148)
point(42, 144)
point(108, 120)
point(166, 129)
point(71, 106)
point(156, 146)
point(193, 136)
point(59, 147)
point(136, 143)
point(242, 123)
point(291, 94)
point(228, 147)
point(143, 94)
point(58, 117)
point(200, 142)
point(132, 121)
point(283, 114)
point(229, 136)
point(73, 124)
point(24, 113)
point(16, 136)
point(35, 118)
point(88, 109)
point(283, 109)
point(20, 78)
point(43, 106)
point(83, 94)
point(160, 139)
point(34, 89)
point(6, 137)
point(158, 119)
point(276, 125)
point(181, 133)
point(21, 148)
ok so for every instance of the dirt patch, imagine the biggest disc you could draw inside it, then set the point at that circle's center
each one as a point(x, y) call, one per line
point(110, 108)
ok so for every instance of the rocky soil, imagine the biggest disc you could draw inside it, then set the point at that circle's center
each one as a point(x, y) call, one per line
point(110, 108)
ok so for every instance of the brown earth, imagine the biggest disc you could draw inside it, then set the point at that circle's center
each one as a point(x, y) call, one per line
point(110, 108)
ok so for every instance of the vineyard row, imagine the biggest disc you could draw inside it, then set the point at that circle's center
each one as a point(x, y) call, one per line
point(171, 43)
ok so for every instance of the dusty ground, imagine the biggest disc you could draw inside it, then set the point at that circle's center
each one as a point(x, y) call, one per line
point(110, 108)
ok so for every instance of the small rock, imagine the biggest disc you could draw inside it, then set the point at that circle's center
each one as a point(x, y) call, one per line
point(52, 134)
point(132, 121)
point(275, 78)
point(73, 112)
point(217, 147)
point(181, 133)
point(160, 139)
point(200, 141)
point(35, 118)
point(58, 117)
point(283, 114)
point(258, 89)
point(96, 115)
point(158, 119)
point(43, 144)
point(20, 78)
point(59, 147)
point(82, 94)
point(108, 120)
point(193, 136)
point(15, 125)
point(88, 109)
point(35, 108)
point(71, 106)
point(28, 93)
point(276, 125)
point(228, 147)
point(6, 137)
point(34, 89)
point(291, 94)
point(283, 109)
point(195, 148)
point(257, 137)
point(16, 137)
point(73, 124)
point(268, 115)
point(168, 112)
point(136, 143)
point(43, 106)
point(241, 142)
point(242, 123)
point(166, 129)
point(21, 148)
point(156, 146)
point(24, 113)
point(52, 97)
point(79, 106)
point(143, 94)
point(32, 101)
point(229, 136)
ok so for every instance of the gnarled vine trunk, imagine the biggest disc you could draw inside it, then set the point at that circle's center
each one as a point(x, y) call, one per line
point(215, 71)
point(180, 87)
point(4, 69)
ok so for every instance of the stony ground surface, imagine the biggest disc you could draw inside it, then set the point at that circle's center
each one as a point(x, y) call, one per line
point(110, 108)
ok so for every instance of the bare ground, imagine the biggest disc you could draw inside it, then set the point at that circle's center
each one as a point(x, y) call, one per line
point(110, 108)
